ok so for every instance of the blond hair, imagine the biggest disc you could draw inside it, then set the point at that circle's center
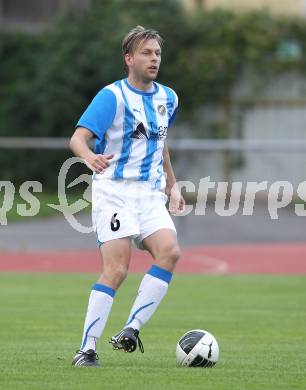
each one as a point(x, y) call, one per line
point(133, 39)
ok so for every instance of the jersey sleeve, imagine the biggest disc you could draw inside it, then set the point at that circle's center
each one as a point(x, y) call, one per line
point(172, 118)
point(175, 109)
point(99, 115)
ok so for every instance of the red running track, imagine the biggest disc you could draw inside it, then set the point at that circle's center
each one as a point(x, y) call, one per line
point(287, 258)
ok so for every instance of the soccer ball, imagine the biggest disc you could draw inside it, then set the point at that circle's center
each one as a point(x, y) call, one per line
point(197, 348)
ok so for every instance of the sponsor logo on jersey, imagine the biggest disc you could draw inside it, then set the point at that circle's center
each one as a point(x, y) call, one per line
point(141, 133)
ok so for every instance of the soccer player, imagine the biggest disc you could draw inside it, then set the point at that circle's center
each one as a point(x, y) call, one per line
point(129, 120)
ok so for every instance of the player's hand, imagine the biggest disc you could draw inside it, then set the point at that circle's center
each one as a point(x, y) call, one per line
point(176, 200)
point(98, 162)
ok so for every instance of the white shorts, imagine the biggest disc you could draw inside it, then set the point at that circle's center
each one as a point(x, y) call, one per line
point(123, 208)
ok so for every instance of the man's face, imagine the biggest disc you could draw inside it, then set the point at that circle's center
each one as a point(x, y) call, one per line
point(144, 62)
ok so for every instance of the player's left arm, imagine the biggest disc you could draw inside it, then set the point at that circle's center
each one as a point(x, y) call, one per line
point(176, 200)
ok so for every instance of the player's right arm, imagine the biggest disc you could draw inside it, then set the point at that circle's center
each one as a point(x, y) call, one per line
point(94, 123)
point(79, 146)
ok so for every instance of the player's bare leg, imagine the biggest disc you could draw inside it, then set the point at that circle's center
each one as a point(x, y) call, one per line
point(116, 258)
point(164, 248)
point(116, 255)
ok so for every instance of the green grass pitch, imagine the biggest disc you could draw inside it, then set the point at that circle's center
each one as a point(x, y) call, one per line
point(259, 321)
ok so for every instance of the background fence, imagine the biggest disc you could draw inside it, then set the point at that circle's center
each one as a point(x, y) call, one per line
point(193, 159)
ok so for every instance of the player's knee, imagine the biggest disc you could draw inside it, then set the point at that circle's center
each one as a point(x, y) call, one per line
point(120, 274)
point(116, 275)
point(170, 255)
point(175, 254)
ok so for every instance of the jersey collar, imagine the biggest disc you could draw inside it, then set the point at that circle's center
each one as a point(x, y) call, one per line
point(139, 92)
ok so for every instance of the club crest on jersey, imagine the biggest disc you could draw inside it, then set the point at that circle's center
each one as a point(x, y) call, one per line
point(161, 110)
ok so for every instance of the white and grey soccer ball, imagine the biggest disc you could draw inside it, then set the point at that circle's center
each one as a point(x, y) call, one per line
point(197, 348)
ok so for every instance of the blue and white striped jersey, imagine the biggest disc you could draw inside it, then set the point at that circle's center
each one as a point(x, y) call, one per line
point(133, 125)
